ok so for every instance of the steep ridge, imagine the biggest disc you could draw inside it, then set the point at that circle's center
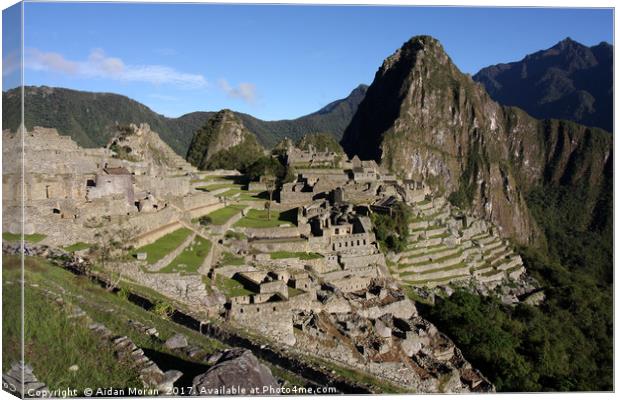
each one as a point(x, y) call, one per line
point(567, 81)
point(423, 119)
point(90, 118)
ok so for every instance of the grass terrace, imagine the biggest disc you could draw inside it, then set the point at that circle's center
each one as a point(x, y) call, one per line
point(277, 255)
point(221, 216)
point(258, 219)
point(231, 259)
point(431, 271)
point(191, 258)
point(210, 178)
point(16, 237)
point(164, 245)
point(292, 292)
point(231, 287)
point(244, 195)
point(437, 281)
point(77, 247)
point(53, 341)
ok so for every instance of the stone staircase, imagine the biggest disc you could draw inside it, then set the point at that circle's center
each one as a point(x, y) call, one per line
point(441, 250)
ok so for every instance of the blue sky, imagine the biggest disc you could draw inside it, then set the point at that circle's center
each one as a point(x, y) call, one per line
point(273, 62)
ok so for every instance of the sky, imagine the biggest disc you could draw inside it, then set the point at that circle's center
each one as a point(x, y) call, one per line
point(274, 62)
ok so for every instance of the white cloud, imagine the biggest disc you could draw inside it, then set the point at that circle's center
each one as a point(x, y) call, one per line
point(99, 65)
point(244, 91)
point(11, 62)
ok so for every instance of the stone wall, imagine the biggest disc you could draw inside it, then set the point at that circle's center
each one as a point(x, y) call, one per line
point(269, 246)
point(271, 233)
point(163, 186)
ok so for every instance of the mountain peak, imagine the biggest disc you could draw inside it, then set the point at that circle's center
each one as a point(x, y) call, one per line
point(565, 81)
point(567, 44)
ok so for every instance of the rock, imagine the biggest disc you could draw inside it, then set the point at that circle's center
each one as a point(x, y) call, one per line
point(382, 329)
point(74, 368)
point(412, 345)
point(166, 385)
point(385, 347)
point(535, 299)
point(152, 332)
point(236, 369)
point(178, 341)
point(141, 256)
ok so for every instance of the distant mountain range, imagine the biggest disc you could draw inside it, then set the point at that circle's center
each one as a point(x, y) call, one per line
point(90, 118)
point(567, 81)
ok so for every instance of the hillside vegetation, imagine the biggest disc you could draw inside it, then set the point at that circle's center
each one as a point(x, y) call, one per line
point(90, 118)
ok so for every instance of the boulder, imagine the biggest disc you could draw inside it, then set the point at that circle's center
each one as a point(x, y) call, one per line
point(178, 341)
point(166, 386)
point(382, 329)
point(237, 371)
point(412, 345)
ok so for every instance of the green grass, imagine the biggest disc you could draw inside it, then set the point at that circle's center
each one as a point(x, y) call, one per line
point(430, 271)
point(302, 255)
point(244, 195)
point(436, 281)
point(217, 186)
point(230, 234)
point(221, 216)
point(77, 246)
point(15, 237)
point(292, 292)
point(210, 178)
point(97, 369)
point(441, 259)
point(53, 342)
point(231, 259)
point(258, 219)
point(231, 287)
point(189, 260)
point(164, 245)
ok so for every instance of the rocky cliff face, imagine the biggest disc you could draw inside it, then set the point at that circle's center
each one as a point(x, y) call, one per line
point(423, 119)
point(223, 132)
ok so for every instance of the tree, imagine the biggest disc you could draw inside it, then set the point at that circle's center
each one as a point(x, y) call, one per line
point(270, 184)
point(111, 251)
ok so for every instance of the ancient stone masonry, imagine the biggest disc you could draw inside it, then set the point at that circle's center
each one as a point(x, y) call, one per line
point(70, 191)
point(447, 245)
point(318, 285)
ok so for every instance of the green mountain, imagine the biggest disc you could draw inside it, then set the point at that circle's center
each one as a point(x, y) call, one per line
point(567, 81)
point(90, 118)
point(224, 142)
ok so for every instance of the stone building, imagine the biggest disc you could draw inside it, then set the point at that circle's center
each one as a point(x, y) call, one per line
point(111, 181)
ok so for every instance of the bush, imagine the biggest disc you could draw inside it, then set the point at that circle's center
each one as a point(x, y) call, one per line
point(392, 231)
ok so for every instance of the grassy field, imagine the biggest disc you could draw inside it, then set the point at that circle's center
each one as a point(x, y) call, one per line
point(53, 342)
point(77, 246)
point(230, 287)
point(216, 186)
point(244, 195)
point(164, 245)
point(14, 237)
point(231, 259)
point(191, 258)
point(258, 219)
point(276, 255)
point(221, 216)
